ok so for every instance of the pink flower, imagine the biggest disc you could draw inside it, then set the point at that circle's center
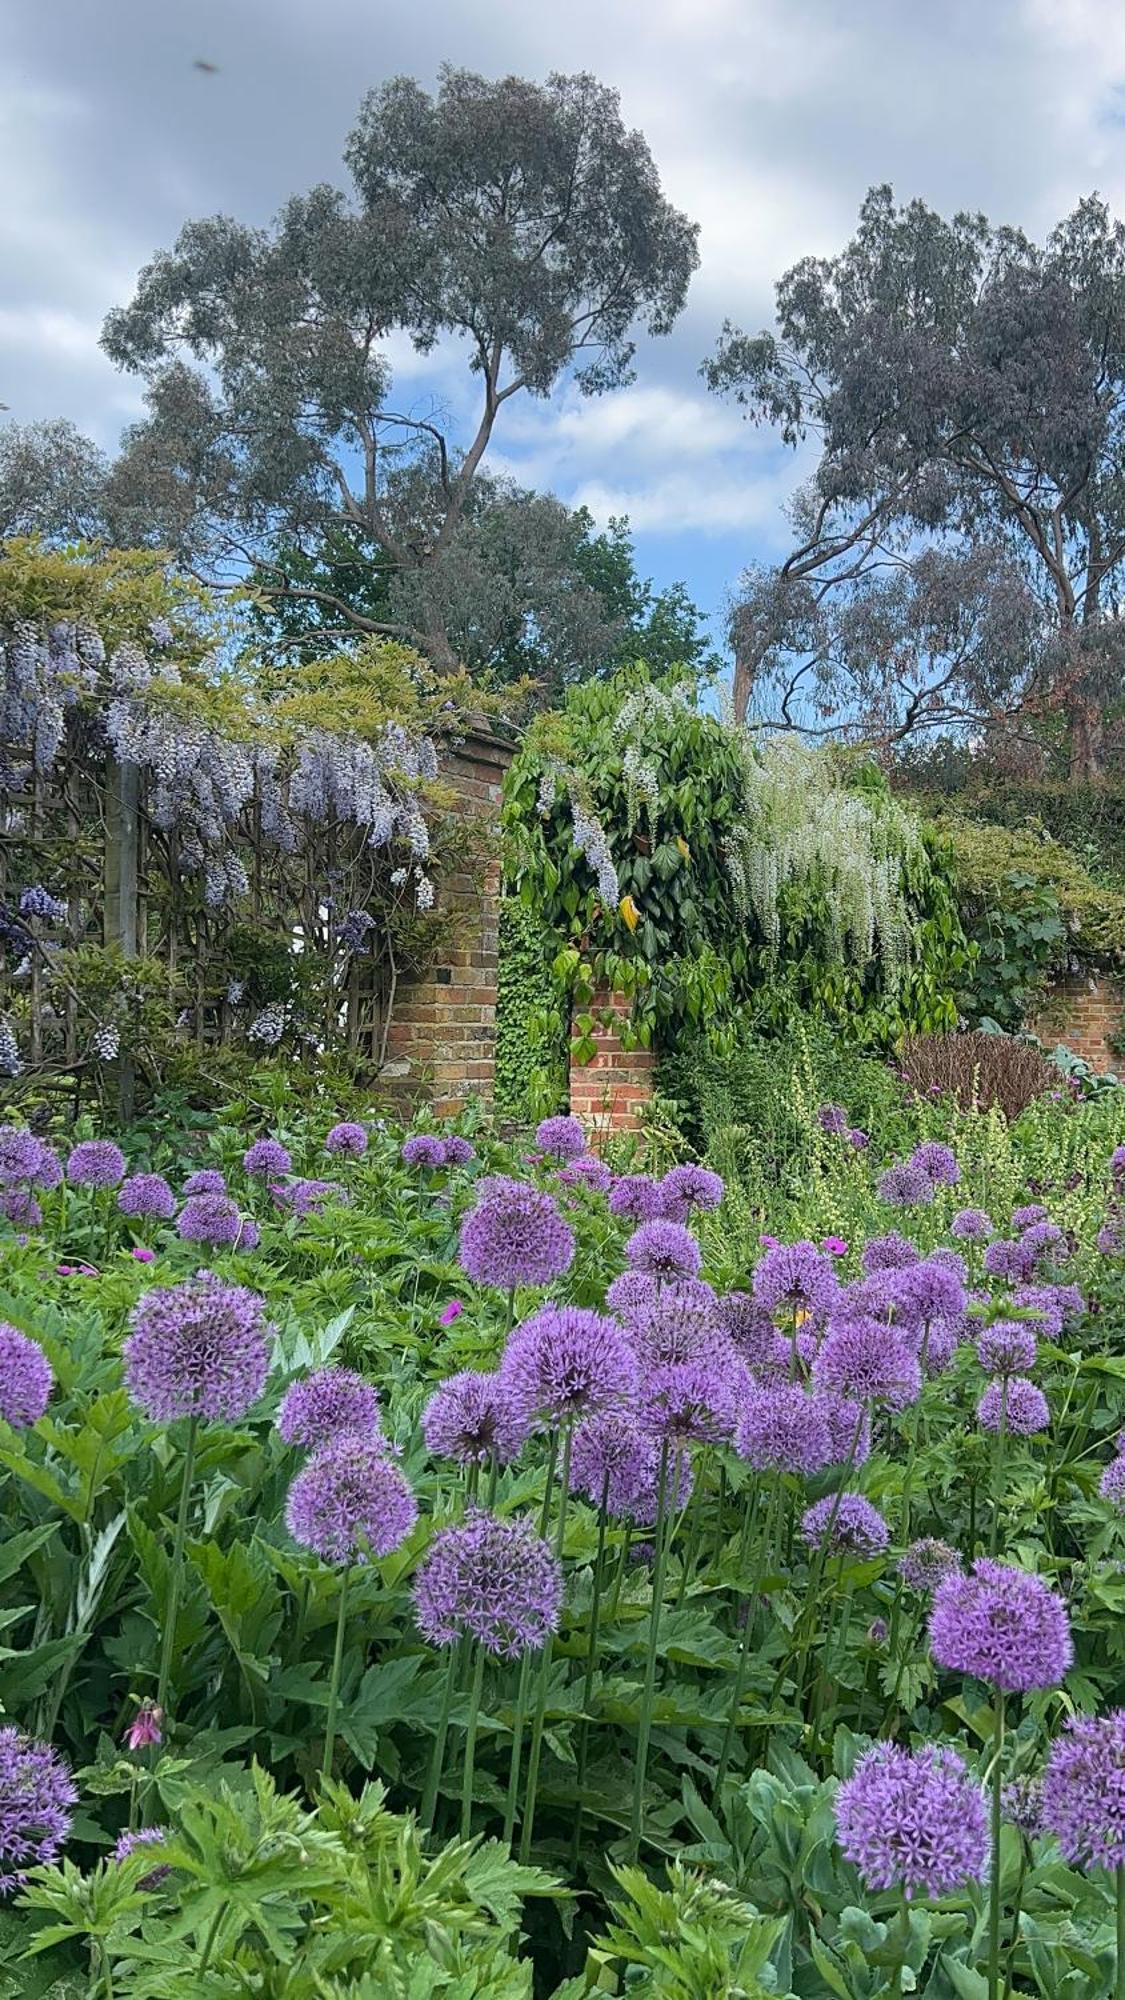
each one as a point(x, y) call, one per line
point(65, 1270)
point(769, 1242)
point(835, 1246)
point(142, 1255)
point(452, 1311)
point(145, 1727)
point(87, 1271)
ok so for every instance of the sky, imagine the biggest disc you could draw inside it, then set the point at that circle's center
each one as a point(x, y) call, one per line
point(768, 120)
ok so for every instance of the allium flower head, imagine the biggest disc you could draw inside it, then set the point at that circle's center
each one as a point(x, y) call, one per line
point(889, 1253)
point(636, 1298)
point(1057, 1306)
point(213, 1219)
point(1020, 1404)
point(1007, 1347)
point(688, 1187)
point(1112, 1485)
point(937, 1162)
point(458, 1151)
point(37, 1796)
point(470, 1416)
point(663, 1250)
point(350, 1501)
point(1083, 1798)
point(206, 1180)
point(1048, 1241)
point(587, 1172)
point(96, 1163)
point(849, 1429)
point(748, 1325)
point(351, 1139)
point(972, 1225)
point(689, 1401)
point(494, 1580)
point(26, 1380)
point(19, 1207)
point(1014, 1261)
point(325, 1405)
point(636, 1198)
point(424, 1149)
point(566, 1362)
point(860, 1357)
point(143, 1836)
point(25, 1157)
point(266, 1158)
point(925, 1291)
point(845, 1524)
point(1025, 1218)
point(1021, 1804)
point(782, 1428)
point(679, 1480)
point(905, 1186)
point(926, 1562)
point(147, 1197)
point(561, 1138)
point(795, 1277)
point(1003, 1625)
point(679, 1323)
point(198, 1349)
point(514, 1236)
point(913, 1819)
point(833, 1119)
point(610, 1454)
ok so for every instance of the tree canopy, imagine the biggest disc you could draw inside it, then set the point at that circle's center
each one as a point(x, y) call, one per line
point(958, 550)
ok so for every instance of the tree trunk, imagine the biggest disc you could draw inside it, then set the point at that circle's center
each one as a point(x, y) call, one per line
point(1087, 743)
point(743, 682)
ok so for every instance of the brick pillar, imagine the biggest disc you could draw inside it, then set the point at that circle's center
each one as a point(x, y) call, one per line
point(610, 1091)
point(1082, 1014)
point(443, 1030)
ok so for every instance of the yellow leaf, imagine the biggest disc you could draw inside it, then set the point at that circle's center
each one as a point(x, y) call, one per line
point(685, 850)
point(630, 912)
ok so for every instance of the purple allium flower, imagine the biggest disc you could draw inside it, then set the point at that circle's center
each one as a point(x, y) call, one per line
point(685, 1188)
point(925, 1291)
point(1021, 1804)
point(915, 1819)
point(143, 1836)
point(926, 1562)
point(795, 1277)
point(889, 1253)
point(905, 1186)
point(792, 1354)
point(782, 1428)
point(663, 1250)
point(19, 1207)
point(566, 1362)
point(37, 1794)
point(942, 1339)
point(26, 1380)
point(636, 1198)
point(849, 1429)
point(1014, 1261)
point(610, 1454)
point(1108, 1240)
point(635, 1298)
point(680, 1323)
point(24, 1157)
point(470, 1416)
point(514, 1236)
point(147, 1197)
point(213, 1219)
point(937, 1162)
point(327, 1404)
point(1025, 1218)
point(198, 1349)
point(206, 1180)
point(350, 1138)
point(845, 1524)
point(495, 1580)
point(1022, 1404)
point(350, 1502)
point(96, 1163)
point(1007, 1347)
point(561, 1138)
point(1112, 1487)
point(858, 1140)
point(862, 1358)
point(688, 1401)
point(1002, 1625)
point(1048, 1242)
point(251, 1235)
point(424, 1149)
point(458, 1151)
point(833, 1119)
point(1084, 1790)
point(971, 1225)
point(1056, 1305)
point(587, 1172)
point(307, 1197)
point(267, 1158)
point(748, 1325)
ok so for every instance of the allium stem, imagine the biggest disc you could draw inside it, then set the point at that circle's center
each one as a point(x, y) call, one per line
point(535, 1748)
point(644, 1730)
point(175, 1578)
point(518, 1721)
point(471, 1746)
point(588, 1685)
point(334, 1684)
point(816, 1572)
point(437, 1759)
point(998, 1469)
point(994, 1899)
point(1119, 1887)
point(751, 1602)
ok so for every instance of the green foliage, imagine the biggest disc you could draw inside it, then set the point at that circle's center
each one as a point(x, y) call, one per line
point(531, 1039)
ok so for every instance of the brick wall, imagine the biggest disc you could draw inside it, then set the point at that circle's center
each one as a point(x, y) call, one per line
point(609, 1092)
point(443, 1029)
point(1083, 1013)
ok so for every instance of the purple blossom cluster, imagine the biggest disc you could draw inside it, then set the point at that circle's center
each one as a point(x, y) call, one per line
point(198, 1349)
point(845, 1524)
point(913, 1820)
point(146, 1198)
point(564, 1363)
point(926, 1563)
point(561, 1138)
point(1083, 1792)
point(663, 1250)
point(470, 1417)
point(37, 1800)
point(26, 1379)
point(795, 1278)
point(267, 1158)
point(1002, 1625)
point(95, 1163)
point(350, 1501)
point(514, 1236)
point(492, 1580)
point(350, 1140)
point(330, 1403)
point(1013, 1403)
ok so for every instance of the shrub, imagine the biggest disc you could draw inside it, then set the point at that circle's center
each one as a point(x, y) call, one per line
point(978, 1071)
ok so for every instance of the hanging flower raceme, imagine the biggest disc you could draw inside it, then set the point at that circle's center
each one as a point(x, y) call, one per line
point(566, 1362)
point(1083, 1795)
point(845, 1524)
point(37, 1798)
point(1003, 1625)
point(96, 1163)
point(198, 1349)
point(470, 1417)
point(493, 1580)
point(350, 1502)
point(330, 1403)
point(26, 1380)
point(562, 1138)
point(913, 1820)
point(514, 1236)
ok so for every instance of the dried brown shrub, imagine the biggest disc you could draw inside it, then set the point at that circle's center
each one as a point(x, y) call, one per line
point(978, 1070)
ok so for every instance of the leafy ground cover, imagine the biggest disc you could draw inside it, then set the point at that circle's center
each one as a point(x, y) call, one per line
point(465, 1567)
